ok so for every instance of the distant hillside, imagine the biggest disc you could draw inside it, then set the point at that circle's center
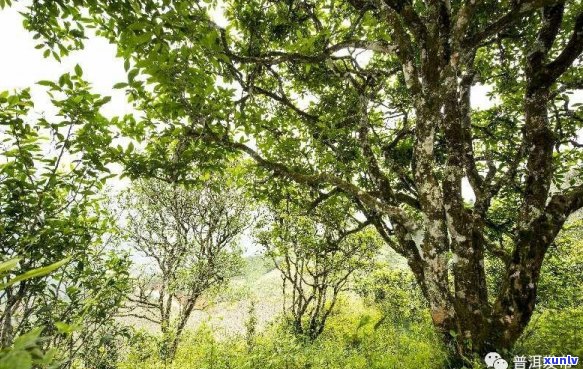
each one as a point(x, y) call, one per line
point(227, 312)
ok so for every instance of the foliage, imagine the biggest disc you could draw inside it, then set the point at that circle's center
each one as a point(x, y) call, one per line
point(251, 327)
point(367, 102)
point(556, 328)
point(255, 266)
point(562, 275)
point(26, 350)
point(396, 293)
point(26, 353)
point(106, 351)
point(360, 334)
point(553, 332)
point(85, 328)
point(370, 101)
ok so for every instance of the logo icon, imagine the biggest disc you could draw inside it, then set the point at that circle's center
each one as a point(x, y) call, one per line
point(494, 360)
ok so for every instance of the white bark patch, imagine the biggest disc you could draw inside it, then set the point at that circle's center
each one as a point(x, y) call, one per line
point(417, 238)
point(427, 145)
point(435, 230)
point(408, 71)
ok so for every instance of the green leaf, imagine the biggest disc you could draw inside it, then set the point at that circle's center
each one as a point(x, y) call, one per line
point(46, 83)
point(8, 265)
point(35, 273)
point(65, 328)
point(103, 101)
point(143, 38)
point(27, 340)
point(132, 74)
point(16, 360)
point(78, 71)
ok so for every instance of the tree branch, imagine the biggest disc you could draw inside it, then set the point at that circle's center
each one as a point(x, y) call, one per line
point(519, 9)
point(571, 52)
point(396, 213)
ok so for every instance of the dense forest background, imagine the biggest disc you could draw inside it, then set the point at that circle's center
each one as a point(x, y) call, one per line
point(297, 184)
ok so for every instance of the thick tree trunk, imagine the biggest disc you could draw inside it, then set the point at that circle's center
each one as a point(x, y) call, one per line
point(461, 310)
point(431, 241)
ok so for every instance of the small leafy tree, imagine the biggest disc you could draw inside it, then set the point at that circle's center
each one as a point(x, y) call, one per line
point(316, 255)
point(190, 235)
point(51, 173)
point(564, 270)
point(556, 327)
point(395, 292)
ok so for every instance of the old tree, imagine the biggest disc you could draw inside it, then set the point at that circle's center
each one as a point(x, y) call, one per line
point(190, 237)
point(370, 100)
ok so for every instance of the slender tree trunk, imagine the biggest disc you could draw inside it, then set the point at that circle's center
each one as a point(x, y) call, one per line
point(6, 323)
point(182, 320)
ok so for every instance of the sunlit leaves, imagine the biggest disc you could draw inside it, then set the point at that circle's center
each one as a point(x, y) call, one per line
point(35, 273)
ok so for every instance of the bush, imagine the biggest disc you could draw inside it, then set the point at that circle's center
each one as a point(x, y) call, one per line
point(554, 332)
point(396, 293)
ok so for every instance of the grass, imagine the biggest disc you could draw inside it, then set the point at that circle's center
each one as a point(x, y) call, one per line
point(352, 340)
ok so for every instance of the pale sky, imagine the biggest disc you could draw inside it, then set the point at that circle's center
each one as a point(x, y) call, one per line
point(22, 65)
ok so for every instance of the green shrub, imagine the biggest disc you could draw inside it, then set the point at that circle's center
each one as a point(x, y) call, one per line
point(554, 332)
